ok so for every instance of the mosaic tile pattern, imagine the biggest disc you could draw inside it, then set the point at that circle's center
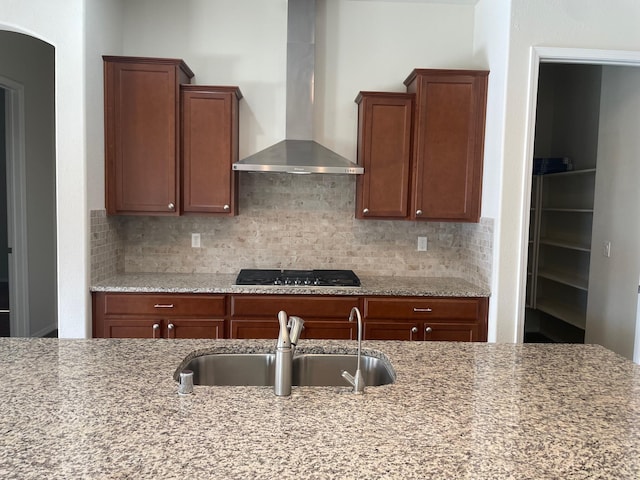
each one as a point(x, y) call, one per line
point(107, 250)
point(305, 222)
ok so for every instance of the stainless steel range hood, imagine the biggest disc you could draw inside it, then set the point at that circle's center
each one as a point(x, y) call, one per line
point(298, 153)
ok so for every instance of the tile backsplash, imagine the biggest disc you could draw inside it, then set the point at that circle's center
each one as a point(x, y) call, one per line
point(291, 221)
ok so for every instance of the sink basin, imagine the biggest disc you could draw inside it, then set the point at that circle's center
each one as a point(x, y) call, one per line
point(258, 369)
point(325, 370)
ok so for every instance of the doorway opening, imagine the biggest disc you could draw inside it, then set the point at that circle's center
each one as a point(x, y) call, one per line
point(5, 311)
point(584, 266)
point(562, 202)
point(28, 245)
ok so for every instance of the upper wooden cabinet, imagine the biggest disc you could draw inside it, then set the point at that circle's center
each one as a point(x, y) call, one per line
point(422, 151)
point(142, 132)
point(384, 150)
point(448, 143)
point(209, 148)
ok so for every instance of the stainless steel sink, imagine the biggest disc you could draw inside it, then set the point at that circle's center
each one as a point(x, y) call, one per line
point(258, 369)
point(325, 370)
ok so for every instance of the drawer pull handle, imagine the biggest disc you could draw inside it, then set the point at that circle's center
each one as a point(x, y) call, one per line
point(422, 310)
point(163, 305)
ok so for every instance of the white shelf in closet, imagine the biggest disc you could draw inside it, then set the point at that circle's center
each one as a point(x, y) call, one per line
point(564, 311)
point(568, 245)
point(562, 211)
point(570, 279)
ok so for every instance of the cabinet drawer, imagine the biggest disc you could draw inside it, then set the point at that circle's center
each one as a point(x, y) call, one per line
point(302, 306)
point(164, 305)
point(423, 308)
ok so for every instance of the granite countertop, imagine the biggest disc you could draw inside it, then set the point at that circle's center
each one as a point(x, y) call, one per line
point(224, 283)
point(107, 409)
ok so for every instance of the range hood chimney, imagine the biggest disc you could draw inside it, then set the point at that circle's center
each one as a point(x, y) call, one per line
point(298, 153)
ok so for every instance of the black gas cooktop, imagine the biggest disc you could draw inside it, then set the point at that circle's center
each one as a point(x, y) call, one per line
point(303, 278)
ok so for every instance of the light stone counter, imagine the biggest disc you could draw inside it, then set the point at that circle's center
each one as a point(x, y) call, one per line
point(224, 283)
point(108, 409)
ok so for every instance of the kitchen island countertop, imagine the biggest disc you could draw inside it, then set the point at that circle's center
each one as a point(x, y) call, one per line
point(224, 283)
point(108, 408)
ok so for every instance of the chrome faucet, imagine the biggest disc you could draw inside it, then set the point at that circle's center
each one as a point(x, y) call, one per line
point(290, 330)
point(357, 381)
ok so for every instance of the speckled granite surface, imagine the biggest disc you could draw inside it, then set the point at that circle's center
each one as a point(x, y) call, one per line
point(108, 409)
point(224, 283)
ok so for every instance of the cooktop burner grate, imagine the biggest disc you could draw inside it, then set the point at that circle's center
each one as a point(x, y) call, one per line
point(304, 278)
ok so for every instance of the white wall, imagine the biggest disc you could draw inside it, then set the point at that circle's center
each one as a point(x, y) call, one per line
point(491, 47)
point(104, 26)
point(559, 23)
point(60, 23)
point(613, 281)
point(66, 24)
point(360, 45)
point(373, 45)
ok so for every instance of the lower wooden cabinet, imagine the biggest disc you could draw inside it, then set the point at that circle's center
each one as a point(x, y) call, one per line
point(424, 318)
point(133, 315)
point(325, 317)
point(140, 315)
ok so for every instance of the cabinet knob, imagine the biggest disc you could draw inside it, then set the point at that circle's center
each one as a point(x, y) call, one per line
point(428, 330)
point(171, 326)
point(365, 211)
point(418, 212)
point(413, 331)
point(156, 327)
point(172, 206)
point(226, 208)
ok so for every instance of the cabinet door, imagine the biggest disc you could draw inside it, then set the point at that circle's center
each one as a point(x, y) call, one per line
point(142, 134)
point(239, 328)
point(194, 328)
point(384, 150)
point(391, 330)
point(329, 330)
point(448, 143)
point(123, 327)
point(451, 332)
point(210, 147)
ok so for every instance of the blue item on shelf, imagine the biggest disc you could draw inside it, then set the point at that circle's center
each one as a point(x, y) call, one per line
point(543, 165)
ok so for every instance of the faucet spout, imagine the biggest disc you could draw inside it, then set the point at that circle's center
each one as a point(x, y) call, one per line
point(290, 330)
point(284, 340)
point(295, 324)
point(357, 381)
